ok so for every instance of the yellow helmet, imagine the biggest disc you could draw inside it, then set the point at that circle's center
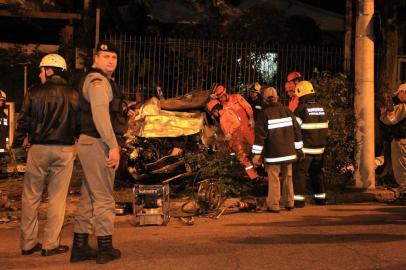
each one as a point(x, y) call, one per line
point(257, 87)
point(53, 60)
point(304, 88)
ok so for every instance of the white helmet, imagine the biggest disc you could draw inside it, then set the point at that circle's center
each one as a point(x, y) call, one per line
point(53, 60)
point(2, 95)
point(402, 87)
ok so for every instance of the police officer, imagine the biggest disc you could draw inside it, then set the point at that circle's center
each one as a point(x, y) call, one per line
point(314, 124)
point(278, 137)
point(49, 117)
point(103, 119)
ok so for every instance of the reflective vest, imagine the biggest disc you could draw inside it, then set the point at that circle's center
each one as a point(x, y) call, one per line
point(117, 110)
point(313, 122)
point(277, 135)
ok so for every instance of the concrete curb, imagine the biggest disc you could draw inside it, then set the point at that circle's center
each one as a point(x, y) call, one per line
point(380, 194)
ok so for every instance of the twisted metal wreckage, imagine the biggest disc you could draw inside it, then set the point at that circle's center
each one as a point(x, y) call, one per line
point(166, 137)
point(163, 144)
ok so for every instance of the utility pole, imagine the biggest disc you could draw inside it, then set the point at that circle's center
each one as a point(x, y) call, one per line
point(364, 96)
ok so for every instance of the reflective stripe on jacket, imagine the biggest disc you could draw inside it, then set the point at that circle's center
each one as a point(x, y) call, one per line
point(312, 119)
point(277, 134)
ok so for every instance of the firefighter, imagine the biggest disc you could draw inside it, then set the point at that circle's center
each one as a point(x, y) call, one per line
point(4, 130)
point(396, 118)
point(314, 124)
point(49, 115)
point(292, 80)
point(293, 99)
point(241, 107)
point(230, 124)
point(278, 137)
point(255, 98)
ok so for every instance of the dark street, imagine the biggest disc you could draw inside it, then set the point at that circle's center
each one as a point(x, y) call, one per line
point(357, 236)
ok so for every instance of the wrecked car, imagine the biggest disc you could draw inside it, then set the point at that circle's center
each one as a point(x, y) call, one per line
point(165, 137)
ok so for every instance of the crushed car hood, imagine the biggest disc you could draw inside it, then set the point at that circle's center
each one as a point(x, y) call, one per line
point(153, 122)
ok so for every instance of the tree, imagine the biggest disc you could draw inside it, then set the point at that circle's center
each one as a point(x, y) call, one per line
point(387, 48)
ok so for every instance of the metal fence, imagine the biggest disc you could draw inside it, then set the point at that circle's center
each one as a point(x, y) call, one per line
point(179, 66)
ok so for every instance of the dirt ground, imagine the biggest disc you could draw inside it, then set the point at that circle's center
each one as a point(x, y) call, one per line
point(10, 200)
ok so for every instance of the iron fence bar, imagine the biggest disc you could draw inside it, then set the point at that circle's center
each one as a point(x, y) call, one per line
point(180, 65)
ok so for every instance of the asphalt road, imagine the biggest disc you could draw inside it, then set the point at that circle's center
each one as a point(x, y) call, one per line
point(353, 236)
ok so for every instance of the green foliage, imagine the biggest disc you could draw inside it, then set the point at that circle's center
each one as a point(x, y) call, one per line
point(225, 168)
point(334, 94)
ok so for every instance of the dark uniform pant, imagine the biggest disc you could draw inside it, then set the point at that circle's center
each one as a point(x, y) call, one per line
point(312, 165)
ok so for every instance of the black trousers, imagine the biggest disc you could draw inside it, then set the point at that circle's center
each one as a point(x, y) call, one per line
point(308, 177)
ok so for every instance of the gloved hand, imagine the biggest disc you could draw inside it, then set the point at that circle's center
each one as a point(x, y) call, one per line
point(256, 160)
point(252, 122)
point(228, 137)
point(300, 155)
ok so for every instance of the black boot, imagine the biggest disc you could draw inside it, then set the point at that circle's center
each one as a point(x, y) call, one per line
point(106, 252)
point(81, 251)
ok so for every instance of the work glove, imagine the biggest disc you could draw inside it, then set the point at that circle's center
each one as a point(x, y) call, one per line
point(256, 160)
point(252, 122)
point(228, 137)
point(300, 155)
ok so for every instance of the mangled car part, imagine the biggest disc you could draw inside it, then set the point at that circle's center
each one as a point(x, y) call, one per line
point(158, 139)
point(209, 197)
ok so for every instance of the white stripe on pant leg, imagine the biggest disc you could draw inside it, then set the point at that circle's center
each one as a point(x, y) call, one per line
point(299, 197)
point(320, 196)
point(313, 151)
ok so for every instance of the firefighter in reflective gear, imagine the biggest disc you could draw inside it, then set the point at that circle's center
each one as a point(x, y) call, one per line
point(255, 98)
point(4, 132)
point(241, 107)
point(292, 80)
point(278, 138)
point(230, 124)
point(103, 122)
point(314, 124)
point(396, 118)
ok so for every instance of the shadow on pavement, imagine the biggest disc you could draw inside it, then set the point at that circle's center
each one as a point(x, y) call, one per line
point(390, 215)
point(328, 238)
